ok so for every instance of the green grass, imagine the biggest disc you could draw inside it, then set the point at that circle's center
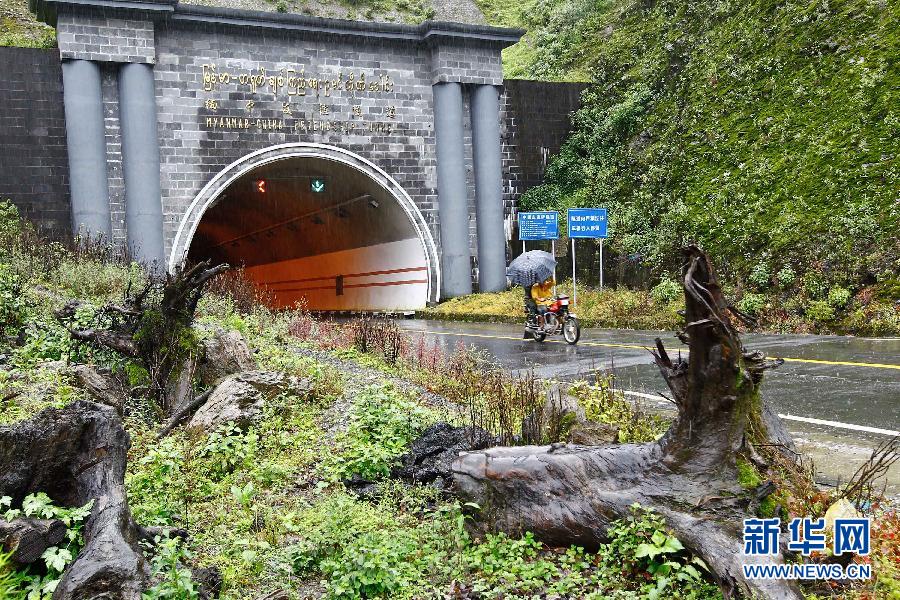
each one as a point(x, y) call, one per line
point(19, 27)
point(611, 307)
point(767, 131)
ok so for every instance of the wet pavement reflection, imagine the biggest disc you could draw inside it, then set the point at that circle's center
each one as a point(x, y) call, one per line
point(862, 393)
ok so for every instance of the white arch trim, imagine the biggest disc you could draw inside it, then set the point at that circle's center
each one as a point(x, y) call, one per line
point(202, 201)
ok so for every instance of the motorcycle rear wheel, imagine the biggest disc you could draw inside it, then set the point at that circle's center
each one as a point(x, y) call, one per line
point(572, 331)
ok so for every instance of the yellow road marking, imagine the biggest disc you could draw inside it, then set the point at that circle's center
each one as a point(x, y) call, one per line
point(842, 363)
point(817, 361)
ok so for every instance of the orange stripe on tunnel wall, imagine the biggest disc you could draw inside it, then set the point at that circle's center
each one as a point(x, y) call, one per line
point(372, 278)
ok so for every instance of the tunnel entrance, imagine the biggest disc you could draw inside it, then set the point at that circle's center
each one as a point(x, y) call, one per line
point(328, 233)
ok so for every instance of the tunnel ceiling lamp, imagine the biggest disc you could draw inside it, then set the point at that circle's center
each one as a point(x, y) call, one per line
point(373, 203)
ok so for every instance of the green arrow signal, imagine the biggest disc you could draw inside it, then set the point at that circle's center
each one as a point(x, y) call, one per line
point(317, 185)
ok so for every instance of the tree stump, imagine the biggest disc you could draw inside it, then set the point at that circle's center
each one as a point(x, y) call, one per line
point(570, 494)
point(74, 455)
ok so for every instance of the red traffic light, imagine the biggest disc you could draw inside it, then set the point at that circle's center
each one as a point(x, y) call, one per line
point(261, 186)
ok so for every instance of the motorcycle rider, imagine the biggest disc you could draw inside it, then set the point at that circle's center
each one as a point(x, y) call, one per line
point(538, 298)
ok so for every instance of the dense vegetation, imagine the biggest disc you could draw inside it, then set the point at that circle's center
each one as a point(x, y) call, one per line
point(768, 131)
point(267, 504)
point(19, 27)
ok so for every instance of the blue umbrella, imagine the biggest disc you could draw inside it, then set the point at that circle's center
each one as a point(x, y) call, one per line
point(531, 267)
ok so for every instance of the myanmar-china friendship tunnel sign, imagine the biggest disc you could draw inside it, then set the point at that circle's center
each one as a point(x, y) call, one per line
point(586, 223)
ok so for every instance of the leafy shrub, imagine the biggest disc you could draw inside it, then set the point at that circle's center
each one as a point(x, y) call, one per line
point(382, 424)
point(376, 564)
point(820, 311)
point(839, 297)
point(752, 304)
point(641, 547)
point(40, 584)
point(786, 276)
point(760, 276)
point(814, 286)
point(603, 404)
point(888, 289)
point(169, 556)
point(152, 482)
point(667, 290)
point(13, 307)
point(228, 448)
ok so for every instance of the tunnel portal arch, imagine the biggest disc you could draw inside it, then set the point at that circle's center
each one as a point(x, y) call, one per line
point(283, 154)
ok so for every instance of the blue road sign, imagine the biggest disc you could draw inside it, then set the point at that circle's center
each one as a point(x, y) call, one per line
point(587, 223)
point(539, 225)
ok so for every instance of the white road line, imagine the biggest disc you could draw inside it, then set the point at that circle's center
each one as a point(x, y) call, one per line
point(836, 424)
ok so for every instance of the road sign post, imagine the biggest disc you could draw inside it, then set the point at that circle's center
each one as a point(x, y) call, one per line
point(586, 223)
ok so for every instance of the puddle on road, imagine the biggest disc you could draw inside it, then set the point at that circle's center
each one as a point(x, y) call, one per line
point(837, 457)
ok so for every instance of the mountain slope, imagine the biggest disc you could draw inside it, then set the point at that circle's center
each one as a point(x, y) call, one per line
point(768, 131)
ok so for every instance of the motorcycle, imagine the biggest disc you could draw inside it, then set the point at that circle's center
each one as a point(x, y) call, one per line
point(557, 320)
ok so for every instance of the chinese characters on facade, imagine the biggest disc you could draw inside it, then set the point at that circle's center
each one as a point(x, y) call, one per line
point(290, 86)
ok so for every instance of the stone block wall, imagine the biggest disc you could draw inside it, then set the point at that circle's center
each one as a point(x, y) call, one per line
point(470, 62)
point(211, 113)
point(113, 36)
point(34, 167)
point(536, 121)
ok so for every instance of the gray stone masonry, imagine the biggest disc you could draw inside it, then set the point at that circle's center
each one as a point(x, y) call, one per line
point(466, 62)
point(229, 83)
point(108, 36)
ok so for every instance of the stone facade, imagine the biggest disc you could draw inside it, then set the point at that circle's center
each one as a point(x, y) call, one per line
point(391, 127)
point(34, 168)
point(116, 37)
point(536, 120)
point(230, 83)
point(470, 62)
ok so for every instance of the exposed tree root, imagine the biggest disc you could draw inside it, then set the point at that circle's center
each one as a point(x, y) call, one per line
point(152, 326)
point(570, 494)
point(77, 454)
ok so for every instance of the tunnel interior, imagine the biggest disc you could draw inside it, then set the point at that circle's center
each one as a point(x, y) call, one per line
point(320, 232)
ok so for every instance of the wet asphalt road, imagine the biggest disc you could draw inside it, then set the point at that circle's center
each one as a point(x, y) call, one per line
point(865, 392)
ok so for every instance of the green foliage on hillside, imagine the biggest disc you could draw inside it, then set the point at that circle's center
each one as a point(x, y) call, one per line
point(768, 131)
point(19, 27)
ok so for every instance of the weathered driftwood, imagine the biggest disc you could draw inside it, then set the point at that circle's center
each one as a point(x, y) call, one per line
point(77, 454)
point(571, 494)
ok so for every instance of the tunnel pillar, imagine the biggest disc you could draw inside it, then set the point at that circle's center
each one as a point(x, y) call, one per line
point(451, 190)
point(140, 164)
point(485, 108)
point(86, 142)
